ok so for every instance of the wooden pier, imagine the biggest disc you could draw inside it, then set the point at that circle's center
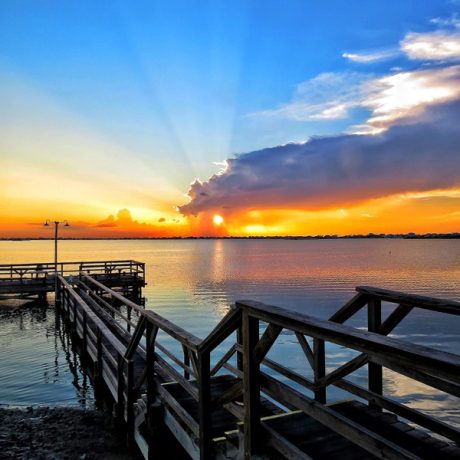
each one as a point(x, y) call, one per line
point(240, 403)
point(28, 281)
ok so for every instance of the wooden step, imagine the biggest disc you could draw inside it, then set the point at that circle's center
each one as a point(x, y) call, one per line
point(389, 426)
point(300, 434)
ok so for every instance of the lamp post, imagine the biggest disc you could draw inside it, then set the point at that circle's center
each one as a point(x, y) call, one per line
point(56, 223)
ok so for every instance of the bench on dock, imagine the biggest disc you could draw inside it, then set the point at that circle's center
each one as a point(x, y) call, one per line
point(225, 396)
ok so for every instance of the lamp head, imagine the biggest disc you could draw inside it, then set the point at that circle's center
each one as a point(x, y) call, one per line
point(66, 224)
point(47, 223)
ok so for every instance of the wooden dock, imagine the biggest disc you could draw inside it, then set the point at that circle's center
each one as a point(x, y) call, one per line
point(242, 404)
point(28, 281)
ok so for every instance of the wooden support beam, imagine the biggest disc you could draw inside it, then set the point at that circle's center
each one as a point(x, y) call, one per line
point(251, 381)
point(266, 341)
point(395, 318)
point(342, 371)
point(349, 309)
point(319, 368)
point(308, 352)
point(375, 374)
point(136, 337)
point(204, 405)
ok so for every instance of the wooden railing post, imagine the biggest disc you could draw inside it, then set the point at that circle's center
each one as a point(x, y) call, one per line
point(239, 341)
point(375, 375)
point(120, 387)
point(99, 377)
point(251, 385)
point(150, 352)
point(130, 401)
point(186, 361)
point(319, 368)
point(204, 402)
point(85, 332)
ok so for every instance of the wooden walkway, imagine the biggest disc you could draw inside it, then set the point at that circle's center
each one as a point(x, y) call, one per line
point(241, 404)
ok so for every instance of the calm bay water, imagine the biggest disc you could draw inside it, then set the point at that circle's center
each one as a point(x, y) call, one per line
point(193, 282)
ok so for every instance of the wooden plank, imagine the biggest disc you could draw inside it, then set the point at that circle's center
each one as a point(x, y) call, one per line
point(410, 414)
point(428, 303)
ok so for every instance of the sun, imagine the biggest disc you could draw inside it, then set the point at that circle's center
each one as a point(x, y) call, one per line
point(218, 220)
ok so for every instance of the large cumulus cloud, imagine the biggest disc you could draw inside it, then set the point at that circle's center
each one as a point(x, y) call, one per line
point(420, 153)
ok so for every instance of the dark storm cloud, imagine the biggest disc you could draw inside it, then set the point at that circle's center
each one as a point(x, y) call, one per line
point(421, 153)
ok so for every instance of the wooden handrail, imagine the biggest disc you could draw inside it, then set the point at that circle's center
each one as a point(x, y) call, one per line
point(428, 303)
point(443, 364)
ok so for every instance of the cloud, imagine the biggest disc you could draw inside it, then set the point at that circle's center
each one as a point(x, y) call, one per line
point(327, 96)
point(387, 98)
point(453, 21)
point(392, 97)
point(420, 153)
point(432, 46)
point(371, 56)
point(123, 218)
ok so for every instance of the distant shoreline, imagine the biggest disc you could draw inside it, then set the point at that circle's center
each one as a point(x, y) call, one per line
point(405, 236)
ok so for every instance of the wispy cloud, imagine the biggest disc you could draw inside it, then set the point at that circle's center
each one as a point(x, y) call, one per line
point(453, 21)
point(328, 96)
point(372, 56)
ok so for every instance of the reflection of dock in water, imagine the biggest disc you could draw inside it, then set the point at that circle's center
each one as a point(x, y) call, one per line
point(226, 396)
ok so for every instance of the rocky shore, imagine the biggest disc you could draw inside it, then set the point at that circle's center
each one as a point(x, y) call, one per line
point(60, 433)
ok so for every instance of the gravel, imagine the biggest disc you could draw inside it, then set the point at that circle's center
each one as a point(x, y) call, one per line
point(60, 433)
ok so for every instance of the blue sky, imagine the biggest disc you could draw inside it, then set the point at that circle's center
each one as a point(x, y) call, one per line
point(172, 87)
point(184, 75)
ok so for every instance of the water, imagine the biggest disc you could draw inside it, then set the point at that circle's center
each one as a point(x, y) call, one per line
point(193, 282)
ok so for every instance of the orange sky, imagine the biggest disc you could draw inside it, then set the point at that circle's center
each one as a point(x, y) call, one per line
point(436, 211)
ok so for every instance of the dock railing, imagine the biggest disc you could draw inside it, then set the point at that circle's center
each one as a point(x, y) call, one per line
point(20, 272)
point(252, 329)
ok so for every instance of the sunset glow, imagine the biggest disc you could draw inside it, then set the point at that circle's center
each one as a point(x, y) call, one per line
point(358, 135)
